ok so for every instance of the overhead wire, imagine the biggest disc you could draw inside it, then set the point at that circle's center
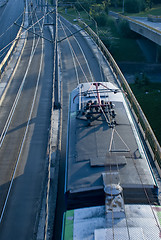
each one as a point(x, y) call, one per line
point(88, 81)
point(27, 29)
point(11, 25)
point(72, 52)
point(97, 32)
point(5, 32)
point(113, 129)
point(91, 75)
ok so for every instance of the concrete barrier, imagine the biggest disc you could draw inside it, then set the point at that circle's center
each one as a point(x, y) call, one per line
point(147, 31)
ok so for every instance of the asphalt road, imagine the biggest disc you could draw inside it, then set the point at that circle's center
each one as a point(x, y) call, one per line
point(31, 127)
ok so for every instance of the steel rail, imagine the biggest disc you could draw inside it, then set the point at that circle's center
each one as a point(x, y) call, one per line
point(7, 124)
point(72, 53)
point(10, 51)
point(90, 72)
point(34, 47)
point(75, 55)
point(23, 141)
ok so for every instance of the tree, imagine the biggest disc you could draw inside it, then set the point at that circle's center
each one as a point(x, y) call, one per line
point(149, 3)
point(134, 6)
point(85, 5)
point(97, 11)
point(116, 3)
point(156, 1)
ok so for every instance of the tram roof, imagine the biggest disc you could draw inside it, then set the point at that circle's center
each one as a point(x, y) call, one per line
point(98, 148)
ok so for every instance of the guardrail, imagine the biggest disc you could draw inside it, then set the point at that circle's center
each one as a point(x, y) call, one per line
point(137, 22)
point(153, 18)
point(5, 61)
point(145, 127)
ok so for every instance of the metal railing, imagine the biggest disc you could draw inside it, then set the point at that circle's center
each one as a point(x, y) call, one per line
point(144, 125)
point(153, 18)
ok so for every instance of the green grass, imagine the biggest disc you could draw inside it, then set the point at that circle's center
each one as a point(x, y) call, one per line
point(149, 98)
point(71, 13)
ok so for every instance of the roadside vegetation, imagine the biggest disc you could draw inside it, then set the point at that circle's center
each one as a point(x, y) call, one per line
point(116, 35)
point(122, 42)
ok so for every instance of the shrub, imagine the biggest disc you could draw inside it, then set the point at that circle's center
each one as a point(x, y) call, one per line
point(125, 31)
point(116, 3)
point(101, 19)
point(124, 28)
point(157, 1)
point(97, 11)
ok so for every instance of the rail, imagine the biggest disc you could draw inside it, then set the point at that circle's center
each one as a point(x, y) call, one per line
point(5, 61)
point(144, 125)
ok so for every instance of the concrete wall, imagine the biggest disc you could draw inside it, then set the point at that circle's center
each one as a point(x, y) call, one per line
point(147, 32)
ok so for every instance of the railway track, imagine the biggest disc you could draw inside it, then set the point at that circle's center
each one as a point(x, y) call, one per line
point(83, 65)
point(79, 64)
point(8, 126)
point(19, 115)
point(12, 113)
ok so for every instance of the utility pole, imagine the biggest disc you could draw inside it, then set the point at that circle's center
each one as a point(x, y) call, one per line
point(56, 85)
